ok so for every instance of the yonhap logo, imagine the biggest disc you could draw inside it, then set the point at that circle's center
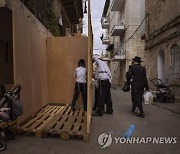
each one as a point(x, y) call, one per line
point(105, 140)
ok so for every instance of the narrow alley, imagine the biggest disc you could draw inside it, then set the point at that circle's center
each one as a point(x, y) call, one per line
point(158, 122)
point(53, 50)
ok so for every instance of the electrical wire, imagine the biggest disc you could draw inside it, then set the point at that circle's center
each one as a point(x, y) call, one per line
point(137, 28)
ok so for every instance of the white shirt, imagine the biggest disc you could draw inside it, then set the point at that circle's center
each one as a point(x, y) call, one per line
point(60, 20)
point(80, 74)
point(102, 70)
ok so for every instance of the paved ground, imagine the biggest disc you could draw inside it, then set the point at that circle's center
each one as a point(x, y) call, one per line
point(159, 122)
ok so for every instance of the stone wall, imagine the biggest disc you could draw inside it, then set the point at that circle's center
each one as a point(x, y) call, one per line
point(162, 32)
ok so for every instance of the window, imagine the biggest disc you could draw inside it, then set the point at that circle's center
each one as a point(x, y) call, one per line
point(175, 62)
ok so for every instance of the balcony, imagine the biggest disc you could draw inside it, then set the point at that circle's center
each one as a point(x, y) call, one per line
point(104, 23)
point(119, 52)
point(117, 30)
point(105, 40)
point(116, 5)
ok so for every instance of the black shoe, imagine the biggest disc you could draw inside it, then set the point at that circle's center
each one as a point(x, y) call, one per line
point(109, 112)
point(141, 115)
point(97, 115)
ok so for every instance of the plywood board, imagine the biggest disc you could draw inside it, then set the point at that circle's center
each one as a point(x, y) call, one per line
point(29, 62)
point(63, 54)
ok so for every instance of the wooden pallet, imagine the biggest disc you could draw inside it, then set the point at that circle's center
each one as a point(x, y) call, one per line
point(57, 120)
point(6, 124)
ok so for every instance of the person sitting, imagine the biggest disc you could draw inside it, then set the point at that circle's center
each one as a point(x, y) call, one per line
point(4, 114)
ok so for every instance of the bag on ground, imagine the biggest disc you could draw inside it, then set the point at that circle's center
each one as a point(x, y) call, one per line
point(147, 97)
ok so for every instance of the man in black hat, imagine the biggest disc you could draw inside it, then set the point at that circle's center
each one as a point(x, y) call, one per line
point(137, 73)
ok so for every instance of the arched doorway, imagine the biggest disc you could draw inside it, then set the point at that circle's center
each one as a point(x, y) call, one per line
point(161, 65)
point(175, 62)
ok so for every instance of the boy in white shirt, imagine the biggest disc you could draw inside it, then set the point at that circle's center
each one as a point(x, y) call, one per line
point(80, 85)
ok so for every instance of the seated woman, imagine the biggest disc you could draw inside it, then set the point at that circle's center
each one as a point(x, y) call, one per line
point(4, 114)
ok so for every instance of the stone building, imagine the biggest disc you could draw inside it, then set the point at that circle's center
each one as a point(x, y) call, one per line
point(122, 21)
point(162, 39)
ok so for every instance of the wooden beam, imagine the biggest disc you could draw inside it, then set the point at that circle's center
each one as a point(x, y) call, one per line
point(75, 5)
point(89, 82)
point(67, 18)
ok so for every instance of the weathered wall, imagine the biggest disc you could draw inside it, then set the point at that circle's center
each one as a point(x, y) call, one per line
point(115, 72)
point(161, 34)
point(29, 60)
point(122, 72)
point(161, 12)
point(134, 46)
point(63, 54)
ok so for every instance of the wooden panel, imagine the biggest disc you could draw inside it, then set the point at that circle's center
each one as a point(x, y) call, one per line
point(63, 123)
point(29, 62)
point(63, 54)
point(90, 69)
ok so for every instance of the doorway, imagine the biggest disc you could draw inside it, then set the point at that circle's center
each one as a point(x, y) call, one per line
point(6, 47)
point(161, 65)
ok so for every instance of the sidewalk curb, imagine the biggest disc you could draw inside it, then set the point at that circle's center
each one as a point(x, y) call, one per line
point(162, 107)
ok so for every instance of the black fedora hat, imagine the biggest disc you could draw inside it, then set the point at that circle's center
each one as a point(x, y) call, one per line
point(137, 59)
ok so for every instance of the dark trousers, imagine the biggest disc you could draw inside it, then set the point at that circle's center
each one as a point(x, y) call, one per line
point(80, 87)
point(104, 97)
point(137, 98)
point(96, 98)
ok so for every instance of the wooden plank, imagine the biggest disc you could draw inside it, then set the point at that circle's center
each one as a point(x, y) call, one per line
point(67, 127)
point(58, 120)
point(84, 128)
point(64, 135)
point(44, 109)
point(90, 69)
point(61, 109)
point(49, 110)
point(55, 119)
point(38, 122)
point(45, 123)
point(81, 112)
point(57, 110)
point(86, 137)
point(33, 121)
point(51, 123)
point(67, 111)
point(77, 125)
point(5, 124)
point(59, 124)
point(76, 112)
point(68, 124)
point(30, 122)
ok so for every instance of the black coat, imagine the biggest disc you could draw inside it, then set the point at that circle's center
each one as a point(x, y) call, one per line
point(136, 75)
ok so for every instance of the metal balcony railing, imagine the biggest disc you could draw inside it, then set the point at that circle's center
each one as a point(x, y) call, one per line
point(104, 23)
